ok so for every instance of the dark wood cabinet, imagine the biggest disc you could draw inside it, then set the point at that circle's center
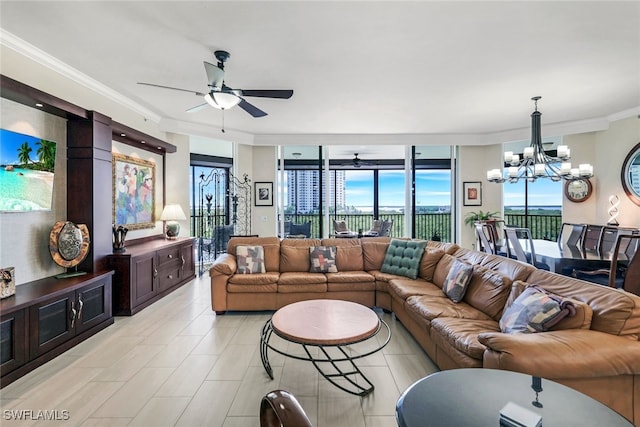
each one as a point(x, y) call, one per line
point(47, 317)
point(149, 270)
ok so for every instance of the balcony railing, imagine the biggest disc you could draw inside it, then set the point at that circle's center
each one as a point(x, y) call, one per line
point(427, 225)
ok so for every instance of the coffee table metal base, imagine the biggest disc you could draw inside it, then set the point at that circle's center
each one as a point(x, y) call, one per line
point(330, 366)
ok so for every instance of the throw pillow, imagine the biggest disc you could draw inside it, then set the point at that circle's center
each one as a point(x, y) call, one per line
point(457, 280)
point(535, 310)
point(340, 226)
point(403, 257)
point(323, 259)
point(250, 259)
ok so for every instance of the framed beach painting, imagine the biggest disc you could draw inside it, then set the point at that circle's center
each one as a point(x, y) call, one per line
point(264, 193)
point(133, 192)
point(472, 193)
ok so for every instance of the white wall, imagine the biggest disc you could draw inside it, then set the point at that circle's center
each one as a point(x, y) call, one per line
point(177, 185)
point(263, 221)
point(25, 235)
point(473, 162)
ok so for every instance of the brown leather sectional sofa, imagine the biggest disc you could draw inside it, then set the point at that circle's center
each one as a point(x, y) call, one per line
point(596, 352)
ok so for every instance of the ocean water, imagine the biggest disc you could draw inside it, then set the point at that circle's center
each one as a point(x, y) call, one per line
point(25, 190)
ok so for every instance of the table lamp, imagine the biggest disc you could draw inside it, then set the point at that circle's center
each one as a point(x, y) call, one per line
point(171, 214)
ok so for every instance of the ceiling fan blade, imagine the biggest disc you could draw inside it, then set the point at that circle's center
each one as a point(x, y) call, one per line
point(173, 88)
point(197, 108)
point(251, 109)
point(215, 76)
point(268, 93)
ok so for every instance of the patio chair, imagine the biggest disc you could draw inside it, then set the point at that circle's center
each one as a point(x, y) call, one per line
point(376, 227)
point(515, 250)
point(299, 230)
point(340, 229)
point(279, 408)
point(385, 230)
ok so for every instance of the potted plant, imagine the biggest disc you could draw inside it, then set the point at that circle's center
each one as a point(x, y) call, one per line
point(472, 217)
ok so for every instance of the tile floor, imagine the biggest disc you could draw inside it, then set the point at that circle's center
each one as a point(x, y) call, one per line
point(178, 364)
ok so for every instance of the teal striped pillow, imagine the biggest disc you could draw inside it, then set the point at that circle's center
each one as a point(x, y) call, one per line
point(403, 257)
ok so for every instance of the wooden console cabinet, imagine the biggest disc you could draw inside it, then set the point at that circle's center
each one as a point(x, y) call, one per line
point(49, 316)
point(149, 270)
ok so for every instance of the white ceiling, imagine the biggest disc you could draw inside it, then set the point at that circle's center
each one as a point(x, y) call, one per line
point(356, 67)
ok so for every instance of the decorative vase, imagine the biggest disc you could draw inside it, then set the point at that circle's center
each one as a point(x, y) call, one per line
point(119, 235)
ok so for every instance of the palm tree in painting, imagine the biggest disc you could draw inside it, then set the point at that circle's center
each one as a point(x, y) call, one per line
point(47, 154)
point(24, 153)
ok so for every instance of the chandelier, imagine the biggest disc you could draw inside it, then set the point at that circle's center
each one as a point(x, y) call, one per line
point(535, 163)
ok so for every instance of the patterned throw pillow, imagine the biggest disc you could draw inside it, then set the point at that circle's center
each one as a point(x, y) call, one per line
point(534, 311)
point(323, 259)
point(457, 280)
point(403, 258)
point(250, 259)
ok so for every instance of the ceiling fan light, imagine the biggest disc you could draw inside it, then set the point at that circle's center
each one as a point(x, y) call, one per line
point(222, 100)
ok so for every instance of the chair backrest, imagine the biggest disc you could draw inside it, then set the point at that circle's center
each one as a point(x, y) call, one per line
point(591, 238)
point(287, 228)
point(301, 229)
point(571, 235)
point(340, 226)
point(279, 408)
point(628, 245)
point(607, 240)
point(485, 237)
point(385, 229)
point(514, 247)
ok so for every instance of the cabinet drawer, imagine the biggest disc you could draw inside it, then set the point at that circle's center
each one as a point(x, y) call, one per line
point(168, 277)
point(167, 256)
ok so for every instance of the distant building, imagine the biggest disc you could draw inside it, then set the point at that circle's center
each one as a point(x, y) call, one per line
point(303, 190)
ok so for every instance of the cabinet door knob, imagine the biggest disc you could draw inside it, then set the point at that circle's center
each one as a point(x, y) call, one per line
point(170, 277)
point(155, 272)
point(170, 256)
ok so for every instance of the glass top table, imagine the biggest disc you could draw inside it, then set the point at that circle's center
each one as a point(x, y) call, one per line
point(475, 396)
point(329, 332)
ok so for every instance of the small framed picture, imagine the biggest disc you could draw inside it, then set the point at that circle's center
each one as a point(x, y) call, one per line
point(264, 193)
point(472, 193)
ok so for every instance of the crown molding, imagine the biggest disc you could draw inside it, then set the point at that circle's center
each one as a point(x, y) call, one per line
point(39, 56)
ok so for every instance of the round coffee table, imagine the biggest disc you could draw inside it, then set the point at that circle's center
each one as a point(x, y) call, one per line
point(333, 327)
point(474, 397)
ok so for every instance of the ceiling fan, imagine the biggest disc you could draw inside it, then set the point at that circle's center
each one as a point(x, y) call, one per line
point(356, 162)
point(222, 96)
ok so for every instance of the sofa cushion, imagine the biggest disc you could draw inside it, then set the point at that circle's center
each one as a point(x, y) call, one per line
point(455, 285)
point(250, 259)
point(534, 311)
point(462, 335)
point(428, 263)
point(300, 278)
point(349, 258)
point(373, 251)
point(442, 269)
point(432, 308)
point(270, 245)
point(488, 291)
point(614, 311)
point(403, 257)
point(322, 259)
point(255, 279)
point(581, 320)
point(404, 288)
point(293, 258)
point(350, 277)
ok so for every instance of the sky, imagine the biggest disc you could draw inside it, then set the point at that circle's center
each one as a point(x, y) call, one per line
point(9, 144)
point(433, 188)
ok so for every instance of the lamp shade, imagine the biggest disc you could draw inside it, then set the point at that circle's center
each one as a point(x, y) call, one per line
point(172, 212)
point(222, 100)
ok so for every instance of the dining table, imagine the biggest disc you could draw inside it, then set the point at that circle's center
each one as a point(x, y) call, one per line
point(562, 259)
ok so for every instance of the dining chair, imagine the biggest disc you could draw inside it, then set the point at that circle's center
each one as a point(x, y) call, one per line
point(279, 408)
point(624, 275)
point(484, 238)
point(571, 235)
point(514, 235)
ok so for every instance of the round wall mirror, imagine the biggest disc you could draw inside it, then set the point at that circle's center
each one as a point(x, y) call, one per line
point(631, 174)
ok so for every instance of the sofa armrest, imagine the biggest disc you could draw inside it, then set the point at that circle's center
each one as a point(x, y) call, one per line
point(224, 264)
point(569, 353)
point(222, 269)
